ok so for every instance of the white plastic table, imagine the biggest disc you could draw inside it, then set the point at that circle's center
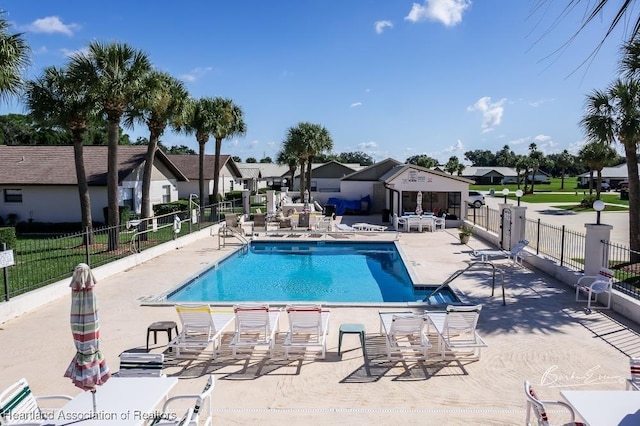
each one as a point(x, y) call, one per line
point(606, 407)
point(120, 401)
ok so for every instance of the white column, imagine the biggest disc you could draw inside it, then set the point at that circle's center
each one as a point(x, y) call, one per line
point(518, 224)
point(271, 201)
point(596, 254)
point(246, 202)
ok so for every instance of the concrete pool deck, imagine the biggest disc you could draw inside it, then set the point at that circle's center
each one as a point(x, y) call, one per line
point(540, 335)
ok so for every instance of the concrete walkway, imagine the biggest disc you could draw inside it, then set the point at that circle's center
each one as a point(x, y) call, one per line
point(540, 335)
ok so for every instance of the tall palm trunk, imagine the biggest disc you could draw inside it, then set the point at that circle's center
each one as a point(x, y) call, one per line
point(309, 175)
point(112, 182)
point(303, 163)
point(216, 172)
point(203, 200)
point(146, 212)
point(562, 178)
point(631, 155)
point(590, 181)
point(83, 186)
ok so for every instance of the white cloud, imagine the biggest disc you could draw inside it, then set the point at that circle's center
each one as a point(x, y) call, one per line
point(536, 104)
point(380, 26)
point(253, 143)
point(365, 146)
point(458, 147)
point(355, 104)
point(448, 12)
point(81, 51)
point(196, 74)
point(40, 50)
point(491, 112)
point(51, 25)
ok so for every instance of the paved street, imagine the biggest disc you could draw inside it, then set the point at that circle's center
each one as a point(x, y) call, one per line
point(574, 221)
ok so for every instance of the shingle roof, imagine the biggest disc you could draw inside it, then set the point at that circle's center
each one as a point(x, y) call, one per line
point(189, 164)
point(55, 165)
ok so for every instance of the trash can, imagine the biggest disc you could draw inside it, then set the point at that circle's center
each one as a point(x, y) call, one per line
point(624, 194)
point(386, 215)
point(492, 192)
point(330, 210)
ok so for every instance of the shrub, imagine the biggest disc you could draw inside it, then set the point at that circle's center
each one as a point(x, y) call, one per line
point(173, 207)
point(8, 236)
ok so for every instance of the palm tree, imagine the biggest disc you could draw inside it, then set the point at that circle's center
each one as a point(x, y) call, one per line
point(452, 165)
point(57, 100)
point(162, 104)
point(290, 159)
point(198, 120)
point(596, 155)
point(535, 158)
point(14, 59)
point(320, 142)
point(115, 73)
point(612, 116)
point(522, 170)
point(228, 121)
point(564, 161)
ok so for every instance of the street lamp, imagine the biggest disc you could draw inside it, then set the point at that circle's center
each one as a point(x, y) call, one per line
point(519, 194)
point(598, 206)
point(505, 192)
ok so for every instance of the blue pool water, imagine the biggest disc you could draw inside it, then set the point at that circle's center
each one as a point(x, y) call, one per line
point(308, 271)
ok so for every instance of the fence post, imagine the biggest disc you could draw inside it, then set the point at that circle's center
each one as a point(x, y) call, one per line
point(595, 253)
point(3, 247)
point(538, 238)
point(562, 246)
point(86, 246)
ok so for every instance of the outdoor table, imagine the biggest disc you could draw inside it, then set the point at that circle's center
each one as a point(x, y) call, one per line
point(120, 401)
point(606, 407)
point(352, 329)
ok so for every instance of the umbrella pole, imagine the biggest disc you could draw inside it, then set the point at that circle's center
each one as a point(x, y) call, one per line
point(93, 396)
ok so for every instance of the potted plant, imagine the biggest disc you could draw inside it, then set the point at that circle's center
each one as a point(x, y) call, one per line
point(465, 233)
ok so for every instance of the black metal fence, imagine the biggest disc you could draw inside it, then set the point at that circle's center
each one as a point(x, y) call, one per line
point(567, 248)
point(42, 260)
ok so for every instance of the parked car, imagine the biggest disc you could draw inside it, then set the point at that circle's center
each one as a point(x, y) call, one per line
point(604, 186)
point(475, 199)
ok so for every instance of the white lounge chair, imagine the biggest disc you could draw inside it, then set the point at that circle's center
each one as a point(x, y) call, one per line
point(405, 335)
point(256, 325)
point(343, 227)
point(192, 415)
point(19, 405)
point(457, 335)
point(201, 328)
point(515, 254)
point(537, 406)
point(593, 285)
point(308, 328)
point(133, 364)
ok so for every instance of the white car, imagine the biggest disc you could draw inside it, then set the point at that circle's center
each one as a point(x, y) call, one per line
point(475, 199)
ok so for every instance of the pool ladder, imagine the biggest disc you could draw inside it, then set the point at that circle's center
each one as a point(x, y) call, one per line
point(225, 232)
point(462, 271)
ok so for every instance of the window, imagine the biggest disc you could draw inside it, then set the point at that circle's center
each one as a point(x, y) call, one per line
point(127, 198)
point(166, 193)
point(13, 195)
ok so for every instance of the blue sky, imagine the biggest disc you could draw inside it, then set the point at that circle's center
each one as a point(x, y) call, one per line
point(391, 78)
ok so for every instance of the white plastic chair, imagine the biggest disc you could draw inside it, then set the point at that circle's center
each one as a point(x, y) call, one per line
point(256, 325)
point(515, 254)
point(593, 285)
point(405, 335)
point(439, 223)
point(201, 328)
point(537, 406)
point(308, 328)
point(192, 416)
point(457, 335)
point(18, 405)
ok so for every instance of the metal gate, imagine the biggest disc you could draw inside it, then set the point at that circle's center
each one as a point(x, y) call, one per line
point(505, 229)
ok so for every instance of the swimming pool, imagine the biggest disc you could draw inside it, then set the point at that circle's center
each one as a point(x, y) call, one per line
point(313, 271)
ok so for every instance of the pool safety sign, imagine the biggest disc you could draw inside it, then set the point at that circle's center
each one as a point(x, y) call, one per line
point(6, 258)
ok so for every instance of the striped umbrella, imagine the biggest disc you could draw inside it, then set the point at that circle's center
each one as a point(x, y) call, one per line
point(88, 368)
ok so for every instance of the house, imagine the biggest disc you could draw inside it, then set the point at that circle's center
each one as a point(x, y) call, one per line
point(490, 175)
point(611, 175)
point(39, 183)
point(325, 177)
point(439, 191)
point(264, 175)
point(230, 178)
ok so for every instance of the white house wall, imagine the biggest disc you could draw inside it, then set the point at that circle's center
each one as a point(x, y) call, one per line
point(45, 203)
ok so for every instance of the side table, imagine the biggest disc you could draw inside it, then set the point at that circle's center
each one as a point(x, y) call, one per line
point(353, 329)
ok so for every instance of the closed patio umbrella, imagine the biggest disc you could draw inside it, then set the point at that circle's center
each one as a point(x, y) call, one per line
point(88, 368)
point(419, 203)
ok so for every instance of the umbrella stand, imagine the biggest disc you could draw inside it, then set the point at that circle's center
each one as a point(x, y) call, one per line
point(93, 397)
